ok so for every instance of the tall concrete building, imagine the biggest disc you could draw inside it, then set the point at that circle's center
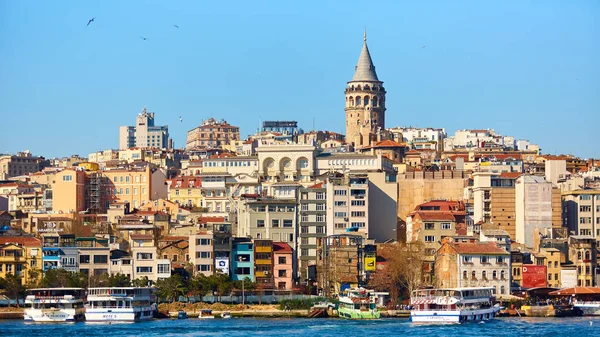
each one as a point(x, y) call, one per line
point(365, 102)
point(144, 133)
point(533, 209)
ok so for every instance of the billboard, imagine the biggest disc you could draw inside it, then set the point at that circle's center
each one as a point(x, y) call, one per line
point(568, 278)
point(534, 276)
point(222, 265)
point(370, 263)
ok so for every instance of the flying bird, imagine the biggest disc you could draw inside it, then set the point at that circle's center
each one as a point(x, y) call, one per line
point(423, 46)
point(180, 119)
point(143, 38)
point(90, 21)
point(176, 26)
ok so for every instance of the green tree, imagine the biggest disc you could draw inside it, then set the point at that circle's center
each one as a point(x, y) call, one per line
point(171, 288)
point(119, 280)
point(12, 286)
point(56, 278)
point(198, 285)
point(142, 282)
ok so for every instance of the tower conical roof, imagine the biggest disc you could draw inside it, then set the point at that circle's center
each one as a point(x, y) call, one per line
point(365, 70)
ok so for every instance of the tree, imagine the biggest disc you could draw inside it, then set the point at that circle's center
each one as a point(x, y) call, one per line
point(57, 278)
point(13, 287)
point(119, 280)
point(171, 288)
point(402, 270)
point(142, 282)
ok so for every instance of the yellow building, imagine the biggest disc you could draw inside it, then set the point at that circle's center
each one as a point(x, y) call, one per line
point(186, 190)
point(135, 186)
point(21, 256)
point(553, 258)
point(68, 191)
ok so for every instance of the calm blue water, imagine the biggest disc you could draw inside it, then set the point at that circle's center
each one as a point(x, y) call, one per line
point(505, 327)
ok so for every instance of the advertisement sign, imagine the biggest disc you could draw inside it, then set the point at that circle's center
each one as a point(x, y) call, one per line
point(370, 263)
point(534, 276)
point(50, 227)
point(222, 264)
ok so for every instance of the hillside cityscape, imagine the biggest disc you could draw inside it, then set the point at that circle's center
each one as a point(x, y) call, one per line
point(287, 210)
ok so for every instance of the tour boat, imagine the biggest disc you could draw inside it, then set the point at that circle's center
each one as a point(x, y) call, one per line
point(358, 303)
point(589, 308)
point(125, 304)
point(456, 305)
point(55, 305)
point(206, 314)
point(226, 315)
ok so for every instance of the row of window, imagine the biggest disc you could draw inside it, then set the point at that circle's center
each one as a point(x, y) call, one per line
point(484, 275)
point(273, 208)
point(275, 223)
point(588, 220)
point(443, 226)
point(588, 197)
point(484, 259)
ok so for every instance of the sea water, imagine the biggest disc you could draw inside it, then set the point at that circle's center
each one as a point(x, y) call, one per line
point(284, 327)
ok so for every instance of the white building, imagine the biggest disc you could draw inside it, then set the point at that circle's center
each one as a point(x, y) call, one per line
point(144, 133)
point(533, 196)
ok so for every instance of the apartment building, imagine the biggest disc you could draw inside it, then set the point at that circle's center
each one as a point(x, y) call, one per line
point(552, 259)
point(201, 252)
point(135, 186)
point(185, 191)
point(340, 262)
point(533, 209)
point(19, 255)
point(146, 262)
point(283, 265)
point(267, 218)
point(348, 204)
point(286, 162)
point(242, 259)
point(94, 255)
point(583, 253)
point(20, 164)
point(312, 225)
point(459, 265)
point(211, 134)
point(59, 251)
point(263, 263)
point(581, 212)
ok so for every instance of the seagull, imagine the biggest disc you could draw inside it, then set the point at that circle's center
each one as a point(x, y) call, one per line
point(90, 21)
point(423, 46)
point(143, 38)
point(180, 119)
point(176, 26)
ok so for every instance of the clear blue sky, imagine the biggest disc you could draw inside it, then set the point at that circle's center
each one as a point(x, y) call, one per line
point(530, 69)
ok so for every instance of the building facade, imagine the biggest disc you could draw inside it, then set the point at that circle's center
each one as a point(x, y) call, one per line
point(144, 133)
point(212, 134)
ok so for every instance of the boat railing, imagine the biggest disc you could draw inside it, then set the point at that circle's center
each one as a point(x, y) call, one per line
point(49, 298)
point(586, 302)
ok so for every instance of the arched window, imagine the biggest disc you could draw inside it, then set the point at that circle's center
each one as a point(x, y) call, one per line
point(366, 87)
point(494, 275)
point(484, 275)
point(502, 290)
point(465, 274)
point(519, 271)
point(374, 100)
point(358, 87)
point(579, 255)
point(366, 100)
point(473, 275)
point(351, 101)
point(358, 101)
point(502, 274)
point(587, 255)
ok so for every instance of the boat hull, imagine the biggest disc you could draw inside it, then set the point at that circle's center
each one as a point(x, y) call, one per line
point(456, 316)
point(588, 309)
point(357, 314)
point(50, 316)
point(119, 315)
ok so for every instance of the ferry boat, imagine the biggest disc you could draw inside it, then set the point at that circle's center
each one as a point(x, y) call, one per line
point(358, 303)
point(55, 305)
point(455, 305)
point(125, 304)
point(206, 314)
point(588, 308)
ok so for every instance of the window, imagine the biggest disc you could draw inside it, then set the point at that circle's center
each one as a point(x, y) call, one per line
point(358, 225)
point(143, 269)
point(320, 229)
point(303, 252)
point(556, 277)
point(242, 271)
point(357, 203)
point(484, 259)
point(446, 225)
point(204, 267)
point(585, 197)
point(549, 277)
point(282, 260)
point(275, 223)
point(144, 256)
point(320, 207)
point(320, 218)
point(304, 207)
point(473, 275)
point(320, 195)
point(288, 222)
point(484, 275)
point(282, 273)
point(585, 208)
point(465, 275)
point(429, 238)
point(340, 225)
point(67, 178)
point(357, 214)
point(502, 273)
point(339, 192)
point(100, 259)
point(494, 275)
point(500, 260)
point(164, 268)
point(84, 259)
point(339, 203)
point(339, 214)
point(203, 242)
point(203, 255)
point(466, 259)
point(429, 226)
point(304, 218)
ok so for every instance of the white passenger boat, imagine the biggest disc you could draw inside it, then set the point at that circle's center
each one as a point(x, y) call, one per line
point(125, 304)
point(456, 305)
point(589, 308)
point(55, 305)
point(358, 303)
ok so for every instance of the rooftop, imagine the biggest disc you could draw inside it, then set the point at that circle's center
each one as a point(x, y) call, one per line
point(489, 248)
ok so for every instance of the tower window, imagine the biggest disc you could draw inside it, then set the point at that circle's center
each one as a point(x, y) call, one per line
point(357, 101)
point(351, 101)
point(366, 100)
point(375, 101)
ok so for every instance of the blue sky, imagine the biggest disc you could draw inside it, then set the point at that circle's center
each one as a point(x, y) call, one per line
point(530, 69)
